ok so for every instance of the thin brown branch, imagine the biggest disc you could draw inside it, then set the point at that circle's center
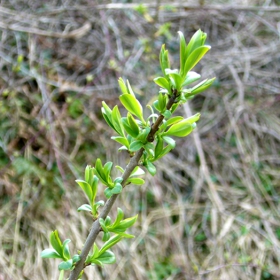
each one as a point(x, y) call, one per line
point(110, 202)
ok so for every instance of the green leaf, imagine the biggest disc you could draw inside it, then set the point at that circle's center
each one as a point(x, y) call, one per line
point(173, 120)
point(150, 167)
point(85, 207)
point(106, 236)
point(167, 114)
point(122, 86)
point(120, 168)
point(162, 102)
point(107, 257)
point(132, 105)
point(107, 114)
point(111, 242)
point(182, 51)
point(121, 140)
point(130, 91)
point(50, 253)
point(128, 129)
point(190, 78)
point(116, 189)
point(165, 151)
point(103, 225)
point(164, 59)
point(197, 40)
point(171, 142)
point(127, 223)
point(76, 258)
point(136, 181)
point(94, 187)
point(135, 146)
point(202, 86)
point(176, 80)
point(88, 174)
point(144, 134)
point(108, 192)
point(133, 124)
point(66, 252)
point(119, 217)
point(195, 57)
point(159, 146)
point(56, 242)
point(67, 265)
point(180, 129)
point(137, 171)
point(107, 170)
point(86, 188)
point(116, 120)
point(193, 118)
point(96, 206)
point(162, 82)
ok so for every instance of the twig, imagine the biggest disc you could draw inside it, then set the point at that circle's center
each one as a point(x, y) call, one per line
point(110, 202)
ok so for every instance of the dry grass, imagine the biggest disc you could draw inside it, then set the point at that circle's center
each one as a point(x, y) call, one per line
point(212, 210)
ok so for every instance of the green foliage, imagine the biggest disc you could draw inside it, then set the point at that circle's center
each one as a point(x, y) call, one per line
point(144, 141)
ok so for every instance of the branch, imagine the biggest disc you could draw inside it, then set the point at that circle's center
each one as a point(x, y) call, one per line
point(110, 202)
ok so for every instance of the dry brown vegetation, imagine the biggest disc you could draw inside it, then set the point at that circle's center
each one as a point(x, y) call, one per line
point(212, 210)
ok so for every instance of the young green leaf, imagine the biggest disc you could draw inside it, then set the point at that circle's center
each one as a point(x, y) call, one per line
point(171, 142)
point(159, 146)
point(127, 223)
point(128, 129)
point(111, 242)
point(119, 217)
point(197, 40)
point(121, 140)
point(190, 78)
point(162, 82)
point(56, 242)
point(195, 57)
point(116, 120)
point(164, 59)
point(107, 170)
point(85, 207)
point(173, 120)
point(180, 129)
point(86, 188)
point(88, 174)
point(150, 167)
point(67, 265)
point(135, 146)
point(137, 171)
point(144, 134)
point(116, 189)
point(66, 252)
point(107, 257)
point(176, 81)
point(132, 105)
point(136, 181)
point(130, 91)
point(133, 124)
point(202, 86)
point(122, 86)
point(107, 114)
point(50, 253)
point(183, 48)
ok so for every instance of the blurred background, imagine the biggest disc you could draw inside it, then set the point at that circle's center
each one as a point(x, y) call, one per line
point(212, 209)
